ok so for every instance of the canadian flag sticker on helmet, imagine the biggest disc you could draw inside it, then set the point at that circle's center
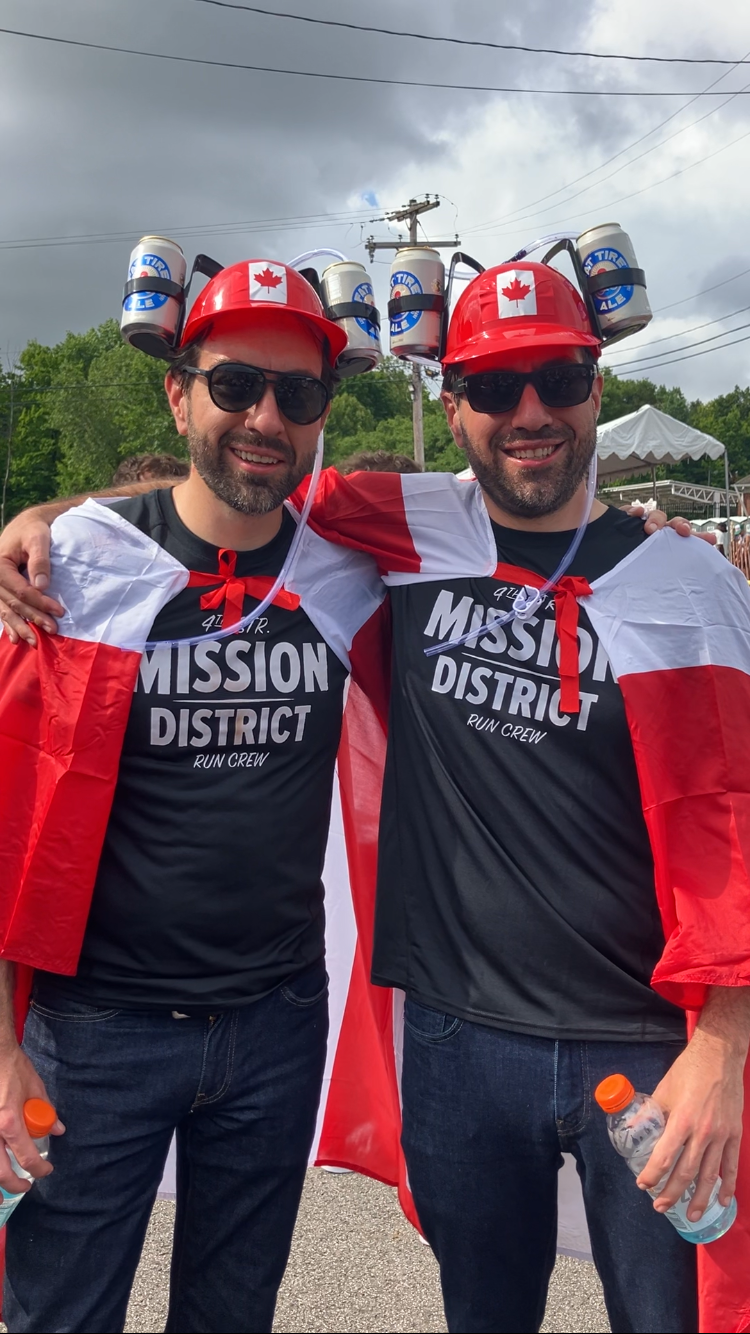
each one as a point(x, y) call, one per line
point(516, 293)
point(267, 282)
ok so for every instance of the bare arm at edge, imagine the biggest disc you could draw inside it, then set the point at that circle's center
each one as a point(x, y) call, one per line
point(702, 1093)
point(25, 542)
point(18, 1082)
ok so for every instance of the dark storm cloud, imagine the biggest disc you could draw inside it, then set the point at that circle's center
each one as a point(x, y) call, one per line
point(94, 142)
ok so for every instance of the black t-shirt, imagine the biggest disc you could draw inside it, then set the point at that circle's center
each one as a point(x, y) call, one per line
point(516, 882)
point(209, 889)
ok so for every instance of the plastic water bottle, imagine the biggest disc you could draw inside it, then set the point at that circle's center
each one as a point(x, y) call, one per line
point(40, 1116)
point(635, 1123)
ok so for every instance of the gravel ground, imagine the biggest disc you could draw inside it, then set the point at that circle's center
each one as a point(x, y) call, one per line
point(356, 1265)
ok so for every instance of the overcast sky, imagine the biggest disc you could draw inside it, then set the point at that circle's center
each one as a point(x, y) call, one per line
point(93, 143)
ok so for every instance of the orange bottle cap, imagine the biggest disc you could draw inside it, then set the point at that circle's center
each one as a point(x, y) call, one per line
point(614, 1093)
point(40, 1116)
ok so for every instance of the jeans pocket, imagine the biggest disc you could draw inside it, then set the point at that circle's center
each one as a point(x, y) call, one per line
point(308, 987)
point(70, 1011)
point(428, 1024)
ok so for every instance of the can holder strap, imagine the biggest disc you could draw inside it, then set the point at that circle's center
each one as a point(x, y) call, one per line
point(355, 310)
point(401, 305)
point(600, 282)
point(146, 284)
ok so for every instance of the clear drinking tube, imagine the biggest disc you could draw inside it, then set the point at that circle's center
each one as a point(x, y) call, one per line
point(281, 579)
point(528, 599)
point(314, 254)
point(540, 241)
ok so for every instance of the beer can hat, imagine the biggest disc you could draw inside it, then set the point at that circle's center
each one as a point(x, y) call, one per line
point(260, 285)
point(516, 306)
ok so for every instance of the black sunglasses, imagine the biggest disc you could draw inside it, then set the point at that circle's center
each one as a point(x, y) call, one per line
point(501, 391)
point(233, 387)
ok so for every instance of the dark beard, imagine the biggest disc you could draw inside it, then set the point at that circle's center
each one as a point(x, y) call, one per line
point(544, 492)
point(240, 490)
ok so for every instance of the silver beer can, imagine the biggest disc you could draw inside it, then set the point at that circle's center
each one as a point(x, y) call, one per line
point(417, 300)
point(349, 300)
point(622, 308)
point(150, 312)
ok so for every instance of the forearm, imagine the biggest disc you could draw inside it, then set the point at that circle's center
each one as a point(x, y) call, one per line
point(52, 509)
point(702, 1094)
point(7, 1013)
point(725, 1021)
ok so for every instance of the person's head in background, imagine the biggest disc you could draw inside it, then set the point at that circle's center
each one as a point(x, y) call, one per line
point(377, 460)
point(150, 468)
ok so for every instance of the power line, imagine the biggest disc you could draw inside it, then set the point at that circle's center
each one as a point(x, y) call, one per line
point(633, 194)
point(281, 224)
point(621, 376)
point(704, 292)
point(512, 217)
point(353, 78)
point(465, 41)
point(78, 384)
point(666, 338)
point(657, 362)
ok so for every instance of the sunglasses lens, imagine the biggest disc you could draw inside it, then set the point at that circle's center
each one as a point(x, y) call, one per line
point(494, 391)
point(234, 388)
point(565, 386)
point(557, 386)
point(302, 399)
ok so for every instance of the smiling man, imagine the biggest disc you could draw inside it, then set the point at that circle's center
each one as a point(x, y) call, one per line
point(562, 860)
point(188, 991)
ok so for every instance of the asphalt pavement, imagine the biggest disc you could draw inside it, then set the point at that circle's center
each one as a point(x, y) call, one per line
point(357, 1265)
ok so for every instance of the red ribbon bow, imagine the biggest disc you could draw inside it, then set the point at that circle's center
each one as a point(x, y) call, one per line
point(233, 588)
point(567, 589)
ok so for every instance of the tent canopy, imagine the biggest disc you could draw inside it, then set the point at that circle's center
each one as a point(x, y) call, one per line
point(647, 438)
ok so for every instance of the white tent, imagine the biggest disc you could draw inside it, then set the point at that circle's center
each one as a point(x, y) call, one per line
point(648, 438)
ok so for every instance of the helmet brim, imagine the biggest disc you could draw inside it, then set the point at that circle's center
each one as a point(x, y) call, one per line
point(501, 341)
point(238, 320)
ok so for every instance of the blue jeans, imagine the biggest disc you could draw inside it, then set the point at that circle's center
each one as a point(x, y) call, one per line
point(487, 1114)
point(241, 1089)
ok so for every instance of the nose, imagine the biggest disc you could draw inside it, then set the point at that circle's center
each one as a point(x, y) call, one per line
point(264, 416)
point(531, 414)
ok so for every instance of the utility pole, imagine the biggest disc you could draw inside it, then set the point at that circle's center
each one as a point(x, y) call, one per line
point(410, 213)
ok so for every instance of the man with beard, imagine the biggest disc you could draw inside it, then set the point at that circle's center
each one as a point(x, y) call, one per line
point(199, 1003)
point(516, 896)
point(516, 882)
point(517, 905)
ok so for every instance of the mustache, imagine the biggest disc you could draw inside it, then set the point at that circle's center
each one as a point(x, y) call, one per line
point(255, 440)
point(510, 439)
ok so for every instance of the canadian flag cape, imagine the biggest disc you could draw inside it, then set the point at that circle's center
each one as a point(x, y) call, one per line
point(674, 619)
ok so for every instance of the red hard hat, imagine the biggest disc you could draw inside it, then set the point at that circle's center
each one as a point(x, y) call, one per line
point(516, 306)
point(255, 285)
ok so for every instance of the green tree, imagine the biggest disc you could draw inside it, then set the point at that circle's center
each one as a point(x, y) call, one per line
point(386, 392)
point(441, 454)
point(728, 419)
point(116, 409)
point(347, 419)
point(620, 397)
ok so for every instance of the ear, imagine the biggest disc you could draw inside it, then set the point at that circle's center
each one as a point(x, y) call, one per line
point(178, 402)
point(452, 411)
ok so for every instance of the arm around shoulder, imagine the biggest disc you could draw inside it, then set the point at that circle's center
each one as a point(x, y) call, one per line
point(25, 545)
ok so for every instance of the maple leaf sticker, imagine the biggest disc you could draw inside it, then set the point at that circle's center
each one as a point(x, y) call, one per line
point(266, 278)
point(267, 283)
point(516, 293)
